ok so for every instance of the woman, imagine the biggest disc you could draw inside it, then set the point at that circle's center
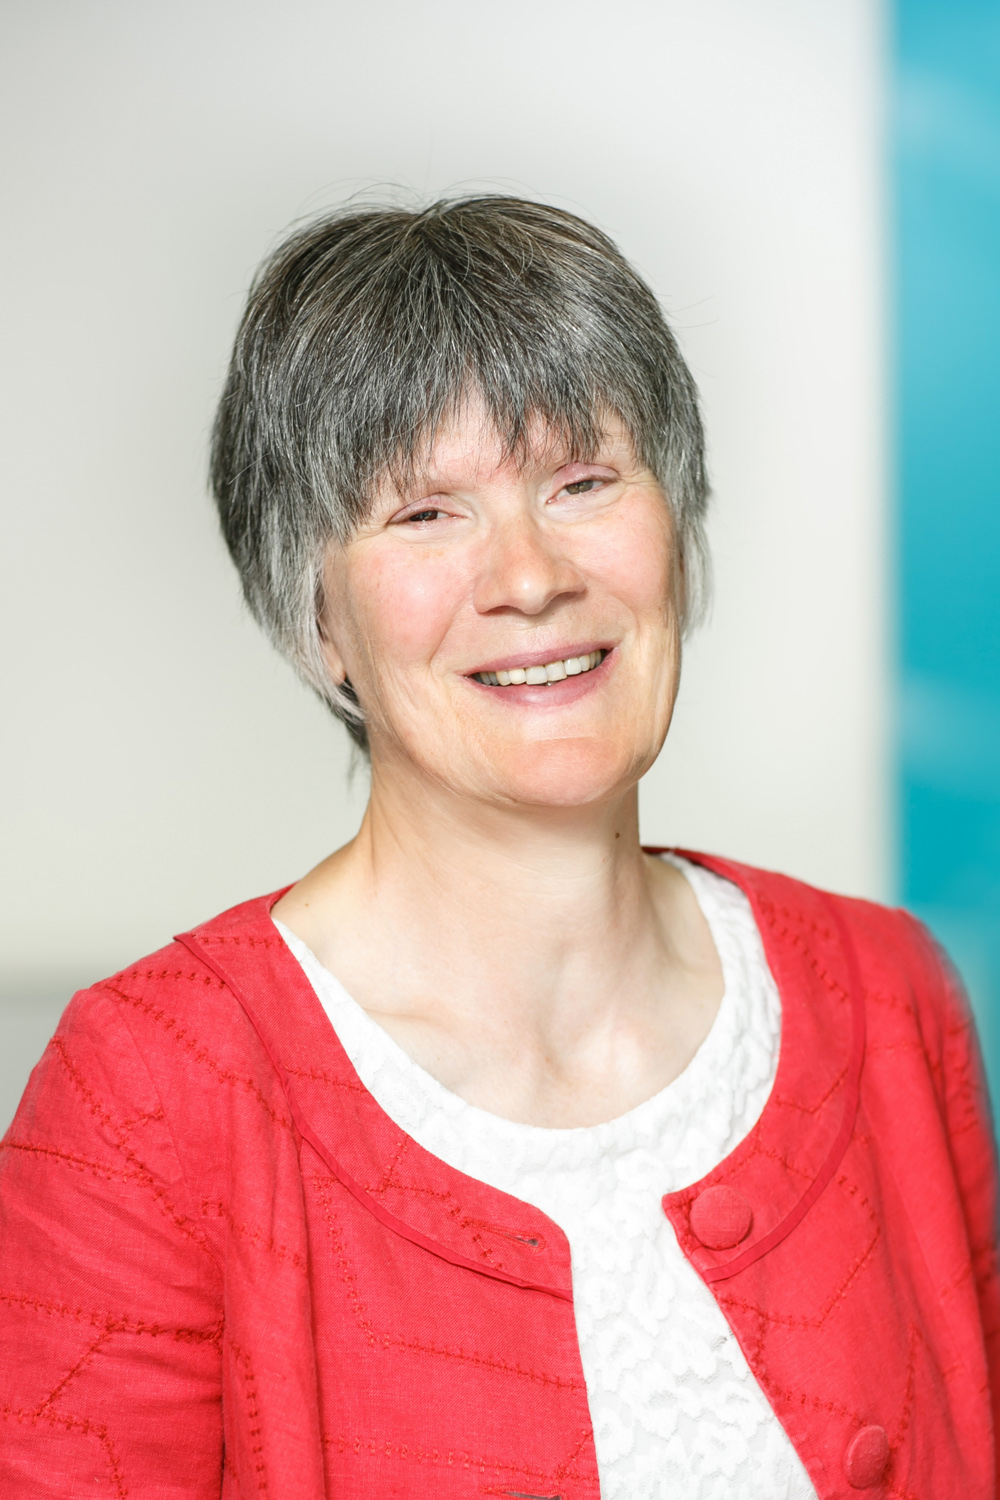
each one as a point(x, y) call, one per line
point(545, 1211)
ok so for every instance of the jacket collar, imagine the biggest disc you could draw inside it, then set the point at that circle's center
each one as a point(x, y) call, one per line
point(780, 1168)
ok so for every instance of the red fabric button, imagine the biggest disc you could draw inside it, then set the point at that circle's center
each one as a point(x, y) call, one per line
point(867, 1457)
point(721, 1217)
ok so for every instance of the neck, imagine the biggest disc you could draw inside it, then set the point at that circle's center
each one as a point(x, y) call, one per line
point(533, 959)
point(502, 869)
point(464, 902)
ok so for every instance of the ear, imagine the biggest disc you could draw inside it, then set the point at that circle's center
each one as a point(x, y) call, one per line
point(326, 624)
point(331, 653)
point(680, 586)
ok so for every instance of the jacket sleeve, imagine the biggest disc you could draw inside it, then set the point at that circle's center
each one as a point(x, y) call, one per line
point(110, 1296)
point(973, 1147)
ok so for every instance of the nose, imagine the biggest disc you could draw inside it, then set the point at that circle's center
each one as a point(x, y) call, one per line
point(524, 570)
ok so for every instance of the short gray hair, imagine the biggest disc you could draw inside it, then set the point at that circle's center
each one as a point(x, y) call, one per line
point(368, 327)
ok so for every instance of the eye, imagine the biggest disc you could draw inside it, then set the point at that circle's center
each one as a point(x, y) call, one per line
point(582, 486)
point(418, 516)
point(426, 514)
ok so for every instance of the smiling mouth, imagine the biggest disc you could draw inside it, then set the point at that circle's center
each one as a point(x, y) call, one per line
point(542, 676)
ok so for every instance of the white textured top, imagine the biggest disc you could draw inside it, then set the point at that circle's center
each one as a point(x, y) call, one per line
point(677, 1413)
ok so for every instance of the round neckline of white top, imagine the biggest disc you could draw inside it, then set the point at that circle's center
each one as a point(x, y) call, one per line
point(748, 1015)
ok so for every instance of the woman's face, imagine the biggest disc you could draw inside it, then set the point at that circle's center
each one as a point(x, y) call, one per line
point(490, 566)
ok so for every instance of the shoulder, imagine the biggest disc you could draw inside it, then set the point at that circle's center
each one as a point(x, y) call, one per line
point(170, 1001)
point(796, 907)
point(909, 985)
point(177, 998)
point(167, 1037)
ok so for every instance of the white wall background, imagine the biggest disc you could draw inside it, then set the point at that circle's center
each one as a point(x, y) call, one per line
point(158, 763)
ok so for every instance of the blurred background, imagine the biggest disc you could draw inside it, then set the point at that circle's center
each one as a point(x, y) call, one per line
point(945, 447)
point(813, 189)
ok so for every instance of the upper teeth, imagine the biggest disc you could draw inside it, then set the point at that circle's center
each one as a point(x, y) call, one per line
point(553, 671)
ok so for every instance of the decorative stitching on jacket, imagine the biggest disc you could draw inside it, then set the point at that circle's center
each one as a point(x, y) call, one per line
point(450, 1458)
point(455, 1211)
point(237, 940)
point(795, 938)
point(245, 1365)
point(73, 1423)
point(198, 1052)
point(184, 976)
point(255, 1237)
point(142, 1172)
point(82, 1362)
point(790, 1321)
point(114, 1322)
point(384, 1339)
point(79, 1163)
point(318, 1075)
point(820, 1103)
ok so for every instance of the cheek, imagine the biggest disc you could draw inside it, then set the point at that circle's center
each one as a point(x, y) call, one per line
point(633, 561)
point(402, 607)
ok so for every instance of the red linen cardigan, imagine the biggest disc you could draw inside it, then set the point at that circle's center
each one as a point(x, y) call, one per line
point(225, 1271)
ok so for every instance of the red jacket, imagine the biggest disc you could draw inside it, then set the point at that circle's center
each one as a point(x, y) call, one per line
point(225, 1270)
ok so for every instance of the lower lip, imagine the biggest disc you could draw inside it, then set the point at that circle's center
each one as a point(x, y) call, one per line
point(552, 694)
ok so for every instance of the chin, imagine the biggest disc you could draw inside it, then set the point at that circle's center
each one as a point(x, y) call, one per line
point(568, 773)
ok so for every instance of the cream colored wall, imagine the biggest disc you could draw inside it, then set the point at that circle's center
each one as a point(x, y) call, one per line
point(158, 762)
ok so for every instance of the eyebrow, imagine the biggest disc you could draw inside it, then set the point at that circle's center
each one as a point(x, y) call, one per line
point(414, 479)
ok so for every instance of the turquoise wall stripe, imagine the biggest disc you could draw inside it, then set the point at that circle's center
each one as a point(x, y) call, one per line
point(947, 202)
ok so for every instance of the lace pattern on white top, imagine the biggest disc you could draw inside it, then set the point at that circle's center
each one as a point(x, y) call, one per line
point(677, 1412)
